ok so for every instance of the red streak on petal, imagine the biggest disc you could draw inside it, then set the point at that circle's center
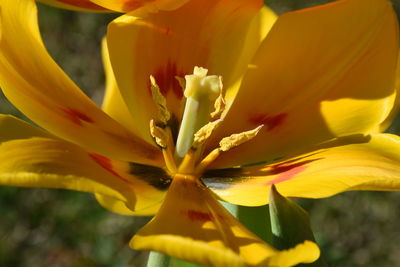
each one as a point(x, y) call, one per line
point(286, 172)
point(107, 165)
point(83, 4)
point(76, 116)
point(199, 216)
point(165, 78)
point(270, 121)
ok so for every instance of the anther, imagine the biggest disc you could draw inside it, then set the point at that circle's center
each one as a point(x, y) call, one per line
point(163, 113)
point(219, 104)
point(204, 133)
point(226, 144)
point(159, 135)
point(234, 140)
point(163, 139)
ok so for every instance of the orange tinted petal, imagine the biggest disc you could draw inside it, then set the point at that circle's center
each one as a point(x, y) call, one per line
point(193, 226)
point(34, 83)
point(170, 43)
point(350, 163)
point(321, 72)
point(30, 157)
point(129, 5)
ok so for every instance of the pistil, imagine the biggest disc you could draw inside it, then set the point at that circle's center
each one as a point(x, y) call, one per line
point(201, 91)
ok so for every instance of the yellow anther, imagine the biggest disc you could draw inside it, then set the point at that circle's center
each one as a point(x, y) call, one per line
point(181, 82)
point(237, 139)
point(226, 144)
point(159, 99)
point(219, 104)
point(159, 134)
point(204, 133)
point(163, 138)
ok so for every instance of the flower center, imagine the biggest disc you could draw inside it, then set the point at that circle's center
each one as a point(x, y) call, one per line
point(202, 115)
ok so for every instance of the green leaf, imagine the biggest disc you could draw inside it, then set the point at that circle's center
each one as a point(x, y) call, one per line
point(290, 224)
point(256, 219)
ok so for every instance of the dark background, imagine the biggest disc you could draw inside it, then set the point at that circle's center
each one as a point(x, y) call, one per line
point(40, 227)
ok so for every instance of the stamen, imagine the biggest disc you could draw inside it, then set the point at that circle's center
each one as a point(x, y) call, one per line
point(202, 166)
point(226, 144)
point(181, 82)
point(219, 104)
point(188, 163)
point(204, 133)
point(161, 102)
point(159, 135)
point(163, 138)
point(200, 91)
point(234, 140)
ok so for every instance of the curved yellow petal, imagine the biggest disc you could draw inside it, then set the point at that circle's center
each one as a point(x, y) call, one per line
point(13, 128)
point(320, 73)
point(396, 107)
point(33, 82)
point(130, 5)
point(48, 163)
point(31, 157)
point(166, 44)
point(351, 163)
point(78, 5)
point(191, 225)
point(121, 207)
point(113, 103)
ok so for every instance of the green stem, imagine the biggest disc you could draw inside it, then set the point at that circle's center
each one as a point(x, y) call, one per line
point(158, 260)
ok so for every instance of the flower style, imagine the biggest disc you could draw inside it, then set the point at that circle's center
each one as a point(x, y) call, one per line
point(297, 102)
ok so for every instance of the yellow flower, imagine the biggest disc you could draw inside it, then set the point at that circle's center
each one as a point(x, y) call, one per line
point(297, 104)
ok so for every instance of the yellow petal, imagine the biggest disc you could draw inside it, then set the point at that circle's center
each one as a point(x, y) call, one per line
point(33, 82)
point(129, 5)
point(120, 207)
point(78, 5)
point(113, 103)
point(33, 158)
point(396, 107)
point(166, 44)
point(346, 164)
point(13, 128)
point(191, 225)
point(320, 73)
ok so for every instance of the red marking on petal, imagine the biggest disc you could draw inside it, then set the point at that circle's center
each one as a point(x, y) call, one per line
point(286, 172)
point(199, 216)
point(165, 78)
point(76, 116)
point(83, 4)
point(107, 165)
point(270, 121)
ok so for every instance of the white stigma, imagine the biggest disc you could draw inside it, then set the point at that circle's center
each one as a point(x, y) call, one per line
point(201, 91)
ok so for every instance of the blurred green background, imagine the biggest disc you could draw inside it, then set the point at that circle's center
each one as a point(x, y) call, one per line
point(40, 227)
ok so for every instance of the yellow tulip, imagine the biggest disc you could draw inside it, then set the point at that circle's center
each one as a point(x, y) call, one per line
point(212, 99)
